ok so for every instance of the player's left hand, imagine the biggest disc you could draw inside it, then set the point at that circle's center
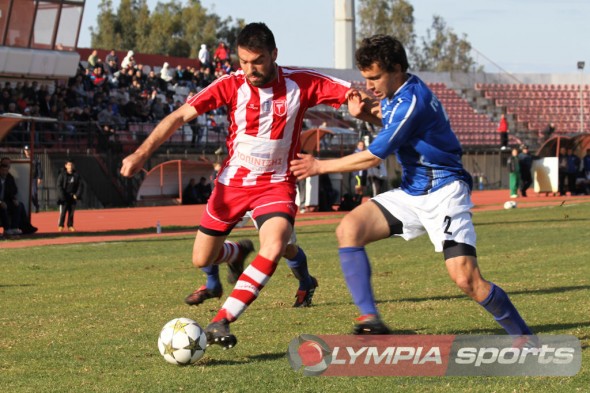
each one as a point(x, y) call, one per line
point(305, 166)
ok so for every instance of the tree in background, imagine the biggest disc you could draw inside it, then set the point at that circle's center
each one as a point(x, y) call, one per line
point(392, 17)
point(441, 50)
point(105, 36)
point(171, 29)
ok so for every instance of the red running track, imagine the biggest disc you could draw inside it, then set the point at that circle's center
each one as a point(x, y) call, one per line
point(95, 225)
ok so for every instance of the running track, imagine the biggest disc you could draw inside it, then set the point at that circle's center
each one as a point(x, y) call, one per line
point(97, 225)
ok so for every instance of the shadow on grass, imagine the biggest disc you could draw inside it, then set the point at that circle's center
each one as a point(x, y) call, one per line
point(481, 224)
point(245, 360)
point(540, 291)
point(537, 329)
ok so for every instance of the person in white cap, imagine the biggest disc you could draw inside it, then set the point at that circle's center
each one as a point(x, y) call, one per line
point(128, 61)
point(165, 72)
point(204, 56)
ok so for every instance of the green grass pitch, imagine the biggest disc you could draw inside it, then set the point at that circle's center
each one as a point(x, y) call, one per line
point(86, 317)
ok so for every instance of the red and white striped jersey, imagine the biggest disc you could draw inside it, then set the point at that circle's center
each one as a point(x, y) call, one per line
point(265, 122)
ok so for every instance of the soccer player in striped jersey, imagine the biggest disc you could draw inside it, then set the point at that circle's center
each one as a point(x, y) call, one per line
point(266, 104)
point(435, 193)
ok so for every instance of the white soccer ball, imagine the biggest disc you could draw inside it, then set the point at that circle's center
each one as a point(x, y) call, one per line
point(509, 205)
point(182, 341)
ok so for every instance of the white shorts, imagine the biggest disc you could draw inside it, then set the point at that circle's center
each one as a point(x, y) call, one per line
point(444, 214)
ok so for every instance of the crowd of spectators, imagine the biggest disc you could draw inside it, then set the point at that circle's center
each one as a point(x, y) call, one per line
point(113, 93)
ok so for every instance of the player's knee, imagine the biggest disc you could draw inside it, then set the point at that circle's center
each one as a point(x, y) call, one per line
point(199, 262)
point(465, 283)
point(347, 232)
point(273, 251)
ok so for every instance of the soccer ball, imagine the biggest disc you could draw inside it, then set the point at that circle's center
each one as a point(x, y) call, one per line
point(182, 341)
point(509, 205)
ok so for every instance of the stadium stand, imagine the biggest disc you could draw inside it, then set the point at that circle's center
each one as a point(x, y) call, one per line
point(533, 106)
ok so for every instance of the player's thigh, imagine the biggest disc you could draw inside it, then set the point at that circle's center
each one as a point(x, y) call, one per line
point(274, 234)
point(364, 224)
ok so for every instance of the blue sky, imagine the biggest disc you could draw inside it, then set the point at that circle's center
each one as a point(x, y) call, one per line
point(541, 36)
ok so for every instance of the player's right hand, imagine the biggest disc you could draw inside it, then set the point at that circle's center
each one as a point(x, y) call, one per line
point(132, 164)
point(304, 166)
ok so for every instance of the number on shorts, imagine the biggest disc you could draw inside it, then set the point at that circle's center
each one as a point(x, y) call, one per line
point(448, 224)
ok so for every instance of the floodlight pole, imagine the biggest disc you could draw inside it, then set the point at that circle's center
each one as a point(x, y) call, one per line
point(581, 65)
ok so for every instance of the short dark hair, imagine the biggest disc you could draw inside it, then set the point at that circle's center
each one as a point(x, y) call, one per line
point(384, 50)
point(257, 36)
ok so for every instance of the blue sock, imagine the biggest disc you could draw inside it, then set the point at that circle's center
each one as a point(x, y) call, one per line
point(499, 305)
point(212, 273)
point(357, 273)
point(298, 266)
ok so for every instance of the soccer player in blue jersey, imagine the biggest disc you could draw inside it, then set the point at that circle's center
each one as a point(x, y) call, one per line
point(434, 196)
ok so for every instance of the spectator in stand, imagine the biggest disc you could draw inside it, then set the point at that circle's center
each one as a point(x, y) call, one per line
point(165, 73)
point(572, 170)
point(136, 88)
point(169, 104)
point(178, 77)
point(514, 170)
point(139, 75)
point(111, 71)
point(156, 107)
point(45, 106)
point(93, 59)
point(503, 131)
point(205, 77)
point(98, 78)
point(227, 67)
point(153, 81)
point(548, 131)
point(128, 61)
point(22, 102)
point(221, 53)
point(204, 56)
point(112, 57)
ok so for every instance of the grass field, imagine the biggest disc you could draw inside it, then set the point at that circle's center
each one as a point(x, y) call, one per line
point(86, 317)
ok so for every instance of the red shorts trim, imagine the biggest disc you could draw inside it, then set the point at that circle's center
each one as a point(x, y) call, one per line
point(227, 205)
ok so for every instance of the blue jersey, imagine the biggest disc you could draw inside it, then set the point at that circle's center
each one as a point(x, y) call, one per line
point(416, 128)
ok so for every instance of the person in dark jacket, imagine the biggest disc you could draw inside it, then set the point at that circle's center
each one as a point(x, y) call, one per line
point(69, 188)
point(8, 202)
point(37, 178)
point(525, 161)
point(14, 216)
point(572, 169)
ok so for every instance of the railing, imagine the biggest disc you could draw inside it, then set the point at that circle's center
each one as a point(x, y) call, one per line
point(103, 137)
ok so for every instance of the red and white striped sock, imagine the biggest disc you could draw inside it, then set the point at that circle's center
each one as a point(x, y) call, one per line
point(228, 253)
point(247, 288)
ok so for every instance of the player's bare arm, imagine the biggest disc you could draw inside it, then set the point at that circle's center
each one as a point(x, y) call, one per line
point(133, 163)
point(307, 165)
